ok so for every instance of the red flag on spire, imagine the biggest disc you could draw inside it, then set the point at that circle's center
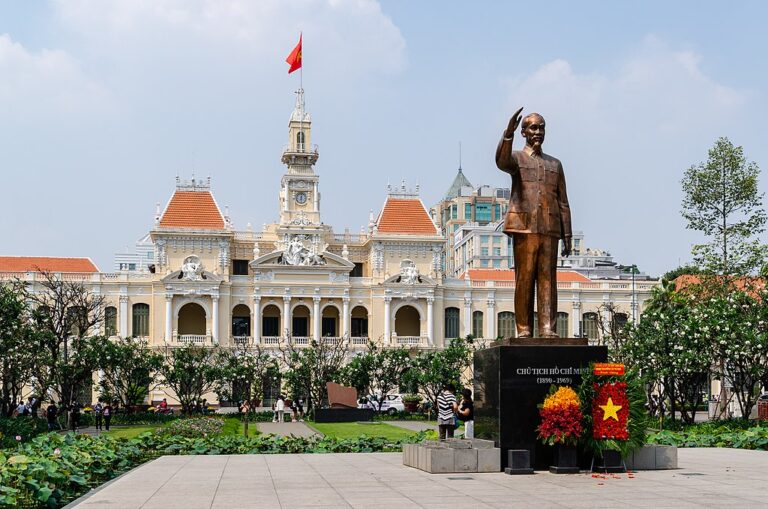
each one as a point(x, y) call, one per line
point(294, 59)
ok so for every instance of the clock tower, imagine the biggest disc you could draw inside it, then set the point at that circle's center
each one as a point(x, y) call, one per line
point(299, 194)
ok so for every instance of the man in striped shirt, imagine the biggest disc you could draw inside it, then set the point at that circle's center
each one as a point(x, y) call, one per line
point(446, 408)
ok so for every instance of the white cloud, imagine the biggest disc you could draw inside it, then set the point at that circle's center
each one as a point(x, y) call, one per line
point(43, 84)
point(340, 35)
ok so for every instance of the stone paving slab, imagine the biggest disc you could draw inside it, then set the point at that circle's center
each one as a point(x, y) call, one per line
point(286, 429)
point(708, 478)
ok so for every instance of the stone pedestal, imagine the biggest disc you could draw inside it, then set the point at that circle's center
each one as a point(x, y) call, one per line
point(512, 380)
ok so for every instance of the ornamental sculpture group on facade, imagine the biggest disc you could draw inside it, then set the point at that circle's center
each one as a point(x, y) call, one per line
point(295, 253)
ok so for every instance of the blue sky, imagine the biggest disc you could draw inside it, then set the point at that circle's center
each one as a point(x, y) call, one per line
point(103, 103)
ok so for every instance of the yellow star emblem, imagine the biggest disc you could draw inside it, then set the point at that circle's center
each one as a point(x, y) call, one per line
point(610, 411)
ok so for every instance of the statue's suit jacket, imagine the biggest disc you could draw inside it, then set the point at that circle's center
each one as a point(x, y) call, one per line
point(538, 202)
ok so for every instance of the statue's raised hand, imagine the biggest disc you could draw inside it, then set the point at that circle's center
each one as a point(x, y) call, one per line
point(514, 123)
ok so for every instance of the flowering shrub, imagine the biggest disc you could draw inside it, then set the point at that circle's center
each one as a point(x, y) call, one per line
point(195, 427)
point(560, 417)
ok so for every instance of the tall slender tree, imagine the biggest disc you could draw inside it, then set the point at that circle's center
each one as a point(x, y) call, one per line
point(722, 201)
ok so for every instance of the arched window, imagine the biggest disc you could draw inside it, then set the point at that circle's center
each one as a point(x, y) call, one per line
point(589, 325)
point(477, 324)
point(110, 321)
point(140, 320)
point(451, 323)
point(506, 325)
point(562, 324)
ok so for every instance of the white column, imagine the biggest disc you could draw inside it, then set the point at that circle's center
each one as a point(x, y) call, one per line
point(256, 319)
point(286, 315)
point(123, 332)
point(345, 314)
point(467, 316)
point(431, 321)
point(387, 319)
point(215, 320)
point(490, 319)
point(576, 319)
point(316, 318)
point(168, 317)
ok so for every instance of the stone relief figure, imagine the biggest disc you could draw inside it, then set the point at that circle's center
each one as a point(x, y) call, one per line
point(192, 269)
point(296, 254)
point(409, 273)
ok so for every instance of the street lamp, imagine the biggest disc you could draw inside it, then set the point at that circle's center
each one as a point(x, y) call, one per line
point(633, 268)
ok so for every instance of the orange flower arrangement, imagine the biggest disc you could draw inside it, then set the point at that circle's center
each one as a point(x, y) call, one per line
point(560, 417)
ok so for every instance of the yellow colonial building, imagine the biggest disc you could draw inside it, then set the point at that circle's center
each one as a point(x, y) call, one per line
point(201, 281)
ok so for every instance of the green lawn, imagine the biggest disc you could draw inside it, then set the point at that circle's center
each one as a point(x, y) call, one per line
point(232, 426)
point(356, 429)
point(130, 431)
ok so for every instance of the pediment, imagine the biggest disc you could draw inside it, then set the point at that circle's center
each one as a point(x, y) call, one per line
point(275, 260)
point(398, 280)
point(178, 276)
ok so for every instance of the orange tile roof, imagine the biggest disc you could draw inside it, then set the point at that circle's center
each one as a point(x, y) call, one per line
point(192, 209)
point(51, 264)
point(405, 215)
point(563, 276)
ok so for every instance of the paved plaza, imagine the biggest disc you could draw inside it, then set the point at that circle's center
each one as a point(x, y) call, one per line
point(708, 478)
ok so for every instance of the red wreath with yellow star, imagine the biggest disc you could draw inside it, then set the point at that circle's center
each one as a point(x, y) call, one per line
point(610, 411)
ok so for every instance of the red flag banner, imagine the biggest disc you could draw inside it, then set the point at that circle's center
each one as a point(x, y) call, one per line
point(294, 59)
point(608, 369)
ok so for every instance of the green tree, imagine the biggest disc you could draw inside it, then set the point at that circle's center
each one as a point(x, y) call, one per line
point(737, 325)
point(722, 201)
point(68, 317)
point(431, 370)
point(671, 350)
point(245, 373)
point(309, 368)
point(128, 370)
point(190, 372)
point(378, 369)
point(17, 333)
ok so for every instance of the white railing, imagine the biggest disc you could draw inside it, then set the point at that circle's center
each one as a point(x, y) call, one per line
point(246, 235)
point(198, 339)
point(270, 340)
point(410, 340)
point(242, 340)
point(351, 238)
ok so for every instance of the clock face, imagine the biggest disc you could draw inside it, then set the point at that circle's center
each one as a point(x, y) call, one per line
point(301, 198)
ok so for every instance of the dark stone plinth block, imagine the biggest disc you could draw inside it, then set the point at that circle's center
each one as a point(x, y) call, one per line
point(519, 461)
point(512, 380)
point(611, 463)
point(343, 414)
point(566, 461)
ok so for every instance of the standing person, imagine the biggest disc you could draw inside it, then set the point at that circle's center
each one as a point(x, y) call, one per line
point(98, 408)
point(466, 413)
point(106, 411)
point(74, 420)
point(280, 408)
point(538, 217)
point(446, 409)
point(50, 415)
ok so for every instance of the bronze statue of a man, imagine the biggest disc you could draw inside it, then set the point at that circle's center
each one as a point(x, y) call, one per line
point(538, 217)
